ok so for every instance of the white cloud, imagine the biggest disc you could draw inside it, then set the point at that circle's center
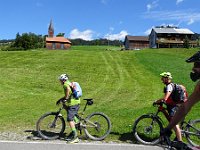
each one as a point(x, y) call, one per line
point(152, 5)
point(191, 21)
point(118, 36)
point(187, 16)
point(148, 31)
point(85, 35)
point(178, 1)
point(149, 6)
point(111, 29)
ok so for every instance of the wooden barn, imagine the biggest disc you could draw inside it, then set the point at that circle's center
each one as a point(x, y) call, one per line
point(53, 42)
point(169, 37)
point(136, 42)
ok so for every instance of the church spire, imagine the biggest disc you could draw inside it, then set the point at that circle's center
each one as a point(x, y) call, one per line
point(51, 29)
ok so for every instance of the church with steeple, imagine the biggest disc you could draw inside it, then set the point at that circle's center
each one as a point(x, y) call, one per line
point(56, 42)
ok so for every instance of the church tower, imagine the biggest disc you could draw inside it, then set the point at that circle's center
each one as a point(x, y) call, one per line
point(51, 29)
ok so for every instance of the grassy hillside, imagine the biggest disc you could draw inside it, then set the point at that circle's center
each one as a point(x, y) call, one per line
point(123, 83)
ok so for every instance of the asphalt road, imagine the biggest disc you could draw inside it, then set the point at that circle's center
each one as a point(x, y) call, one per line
point(15, 145)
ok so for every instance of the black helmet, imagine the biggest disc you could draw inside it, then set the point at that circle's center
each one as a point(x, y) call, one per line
point(194, 58)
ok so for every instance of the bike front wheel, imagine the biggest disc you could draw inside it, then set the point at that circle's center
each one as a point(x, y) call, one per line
point(193, 132)
point(50, 126)
point(97, 126)
point(146, 129)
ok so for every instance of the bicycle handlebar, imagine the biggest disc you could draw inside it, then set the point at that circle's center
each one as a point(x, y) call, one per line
point(159, 103)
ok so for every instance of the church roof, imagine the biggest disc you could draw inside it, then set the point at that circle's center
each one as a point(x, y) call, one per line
point(57, 39)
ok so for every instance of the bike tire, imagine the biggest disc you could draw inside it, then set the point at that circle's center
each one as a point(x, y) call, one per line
point(193, 133)
point(47, 130)
point(146, 133)
point(102, 123)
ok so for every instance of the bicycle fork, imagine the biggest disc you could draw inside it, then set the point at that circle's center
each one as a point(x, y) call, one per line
point(53, 124)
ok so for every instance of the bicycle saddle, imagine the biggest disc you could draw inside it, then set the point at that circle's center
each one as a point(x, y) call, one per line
point(88, 99)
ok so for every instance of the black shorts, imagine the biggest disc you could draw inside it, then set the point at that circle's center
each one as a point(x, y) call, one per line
point(172, 110)
point(72, 111)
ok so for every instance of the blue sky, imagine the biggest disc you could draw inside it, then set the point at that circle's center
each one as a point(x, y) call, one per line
point(92, 19)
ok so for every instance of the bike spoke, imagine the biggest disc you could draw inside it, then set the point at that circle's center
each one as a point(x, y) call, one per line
point(50, 126)
point(147, 130)
point(193, 134)
point(97, 126)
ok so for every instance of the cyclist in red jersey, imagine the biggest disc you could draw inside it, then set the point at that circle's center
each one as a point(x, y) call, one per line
point(172, 106)
point(192, 99)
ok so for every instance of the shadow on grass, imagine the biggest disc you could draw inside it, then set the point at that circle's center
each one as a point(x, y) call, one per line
point(125, 137)
point(35, 136)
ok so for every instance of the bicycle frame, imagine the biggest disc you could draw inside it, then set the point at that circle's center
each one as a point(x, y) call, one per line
point(146, 128)
point(52, 125)
point(187, 124)
point(162, 110)
point(81, 118)
point(89, 102)
point(183, 125)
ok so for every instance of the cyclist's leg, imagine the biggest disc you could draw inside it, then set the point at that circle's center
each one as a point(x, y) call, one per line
point(178, 132)
point(172, 110)
point(71, 112)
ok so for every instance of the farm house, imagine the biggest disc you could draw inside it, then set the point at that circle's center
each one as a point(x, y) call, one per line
point(136, 42)
point(169, 37)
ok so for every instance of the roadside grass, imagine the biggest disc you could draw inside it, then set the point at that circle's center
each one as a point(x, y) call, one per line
point(123, 84)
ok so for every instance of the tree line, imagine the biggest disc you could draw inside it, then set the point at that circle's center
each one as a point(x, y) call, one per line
point(30, 40)
point(27, 41)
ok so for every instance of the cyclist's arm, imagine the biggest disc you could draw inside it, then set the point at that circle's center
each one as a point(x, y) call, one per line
point(167, 95)
point(168, 92)
point(185, 107)
point(67, 92)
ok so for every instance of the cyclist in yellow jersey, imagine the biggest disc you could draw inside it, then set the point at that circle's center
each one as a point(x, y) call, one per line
point(72, 108)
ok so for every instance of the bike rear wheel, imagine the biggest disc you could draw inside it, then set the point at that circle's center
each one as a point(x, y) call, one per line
point(97, 126)
point(193, 132)
point(50, 126)
point(146, 129)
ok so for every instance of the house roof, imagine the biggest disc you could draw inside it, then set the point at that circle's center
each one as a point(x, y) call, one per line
point(137, 38)
point(173, 30)
point(57, 39)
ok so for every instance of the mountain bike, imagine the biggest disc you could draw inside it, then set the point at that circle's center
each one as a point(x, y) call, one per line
point(96, 126)
point(146, 128)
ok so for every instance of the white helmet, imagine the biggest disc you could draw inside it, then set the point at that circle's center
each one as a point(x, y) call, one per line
point(63, 77)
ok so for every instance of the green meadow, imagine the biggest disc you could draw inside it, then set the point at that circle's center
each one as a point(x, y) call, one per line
point(123, 84)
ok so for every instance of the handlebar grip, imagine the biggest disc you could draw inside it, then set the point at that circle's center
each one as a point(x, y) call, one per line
point(154, 103)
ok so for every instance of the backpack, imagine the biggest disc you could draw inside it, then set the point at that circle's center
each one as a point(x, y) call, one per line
point(179, 94)
point(76, 90)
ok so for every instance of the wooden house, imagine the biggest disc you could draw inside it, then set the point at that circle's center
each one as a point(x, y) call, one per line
point(53, 42)
point(169, 37)
point(136, 42)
